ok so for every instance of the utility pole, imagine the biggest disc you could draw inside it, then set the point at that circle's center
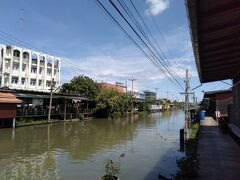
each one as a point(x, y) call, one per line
point(156, 89)
point(187, 112)
point(50, 101)
point(187, 108)
point(167, 94)
point(126, 86)
point(217, 112)
point(132, 79)
point(193, 98)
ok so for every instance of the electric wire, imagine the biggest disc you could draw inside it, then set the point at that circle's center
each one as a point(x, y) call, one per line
point(120, 13)
point(131, 39)
point(156, 43)
point(136, 23)
point(13, 40)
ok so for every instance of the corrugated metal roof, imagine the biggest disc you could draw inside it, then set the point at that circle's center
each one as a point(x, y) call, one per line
point(9, 98)
point(36, 96)
point(213, 93)
point(215, 27)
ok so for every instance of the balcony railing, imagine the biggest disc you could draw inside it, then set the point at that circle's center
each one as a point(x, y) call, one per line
point(15, 58)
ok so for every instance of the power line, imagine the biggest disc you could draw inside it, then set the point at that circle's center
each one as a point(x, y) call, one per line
point(226, 83)
point(131, 39)
point(112, 3)
point(156, 43)
point(13, 40)
point(135, 21)
point(132, 79)
point(117, 9)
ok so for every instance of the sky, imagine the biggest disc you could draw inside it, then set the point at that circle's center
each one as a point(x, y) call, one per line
point(80, 33)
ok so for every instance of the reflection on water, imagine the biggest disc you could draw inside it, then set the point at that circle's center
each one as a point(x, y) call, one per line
point(77, 150)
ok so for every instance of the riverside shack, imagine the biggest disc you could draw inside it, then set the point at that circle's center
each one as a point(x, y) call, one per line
point(8, 107)
point(214, 27)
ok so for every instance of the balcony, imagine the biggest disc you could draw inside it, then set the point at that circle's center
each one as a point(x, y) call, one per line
point(16, 59)
point(25, 60)
point(16, 55)
point(25, 57)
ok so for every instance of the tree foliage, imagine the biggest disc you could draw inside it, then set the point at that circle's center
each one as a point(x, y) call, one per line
point(82, 85)
point(111, 101)
point(143, 106)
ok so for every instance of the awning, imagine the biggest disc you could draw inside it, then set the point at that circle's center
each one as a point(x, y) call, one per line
point(210, 94)
point(215, 28)
point(55, 96)
point(9, 98)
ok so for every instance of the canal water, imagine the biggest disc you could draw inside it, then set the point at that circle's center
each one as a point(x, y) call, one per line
point(78, 150)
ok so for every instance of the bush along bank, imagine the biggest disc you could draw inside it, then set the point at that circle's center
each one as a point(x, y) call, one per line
point(188, 164)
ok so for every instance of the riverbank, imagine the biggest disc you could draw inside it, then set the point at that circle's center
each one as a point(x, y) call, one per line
point(41, 122)
point(117, 115)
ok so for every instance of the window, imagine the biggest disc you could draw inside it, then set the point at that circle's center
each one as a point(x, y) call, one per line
point(16, 53)
point(40, 82)
point(42, 59)
point(23, 67)
point(33, 82)
point(48, 83)
point(25, 55)
point(15, 66)
point(49, 72)
point(14, 80)
point(34, 70)
point(40, 71)
point(23, 81)
point(34, 61)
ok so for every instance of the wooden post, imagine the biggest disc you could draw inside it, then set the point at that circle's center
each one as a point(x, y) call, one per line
point(182, 140)
point(65, 110)
point(14, 122)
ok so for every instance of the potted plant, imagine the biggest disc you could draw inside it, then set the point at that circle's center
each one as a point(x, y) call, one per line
point(112, 169)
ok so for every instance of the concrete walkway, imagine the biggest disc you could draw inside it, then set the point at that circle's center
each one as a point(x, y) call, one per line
point(219, 154)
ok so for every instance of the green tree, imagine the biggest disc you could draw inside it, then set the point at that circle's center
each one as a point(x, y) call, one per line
point(82, 85)
point(143, 106)
point(161, 102)
point(111, 101)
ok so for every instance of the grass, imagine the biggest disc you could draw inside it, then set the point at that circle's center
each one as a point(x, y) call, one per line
point(188, 164)
point(194, 130)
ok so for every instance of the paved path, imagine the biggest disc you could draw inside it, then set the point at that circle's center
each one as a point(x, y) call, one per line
point(219, 154)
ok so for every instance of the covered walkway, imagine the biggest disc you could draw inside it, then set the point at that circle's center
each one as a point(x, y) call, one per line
point(218, 153)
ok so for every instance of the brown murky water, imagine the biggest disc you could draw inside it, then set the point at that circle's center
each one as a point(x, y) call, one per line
point(77, 150)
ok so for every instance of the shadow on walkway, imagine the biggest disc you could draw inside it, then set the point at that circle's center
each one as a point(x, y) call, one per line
point(219, 156)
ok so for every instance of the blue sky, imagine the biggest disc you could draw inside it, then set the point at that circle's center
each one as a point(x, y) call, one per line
point(81, 33)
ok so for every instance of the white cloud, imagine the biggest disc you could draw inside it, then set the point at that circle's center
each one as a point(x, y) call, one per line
point(156, 7)
point(119, 63)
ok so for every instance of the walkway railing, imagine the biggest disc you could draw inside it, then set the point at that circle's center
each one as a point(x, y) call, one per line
point(36, 112)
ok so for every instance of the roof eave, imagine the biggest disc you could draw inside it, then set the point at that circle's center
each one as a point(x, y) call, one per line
point(193, 24)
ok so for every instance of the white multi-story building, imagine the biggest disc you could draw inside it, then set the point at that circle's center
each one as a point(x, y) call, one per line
point(26, 69)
